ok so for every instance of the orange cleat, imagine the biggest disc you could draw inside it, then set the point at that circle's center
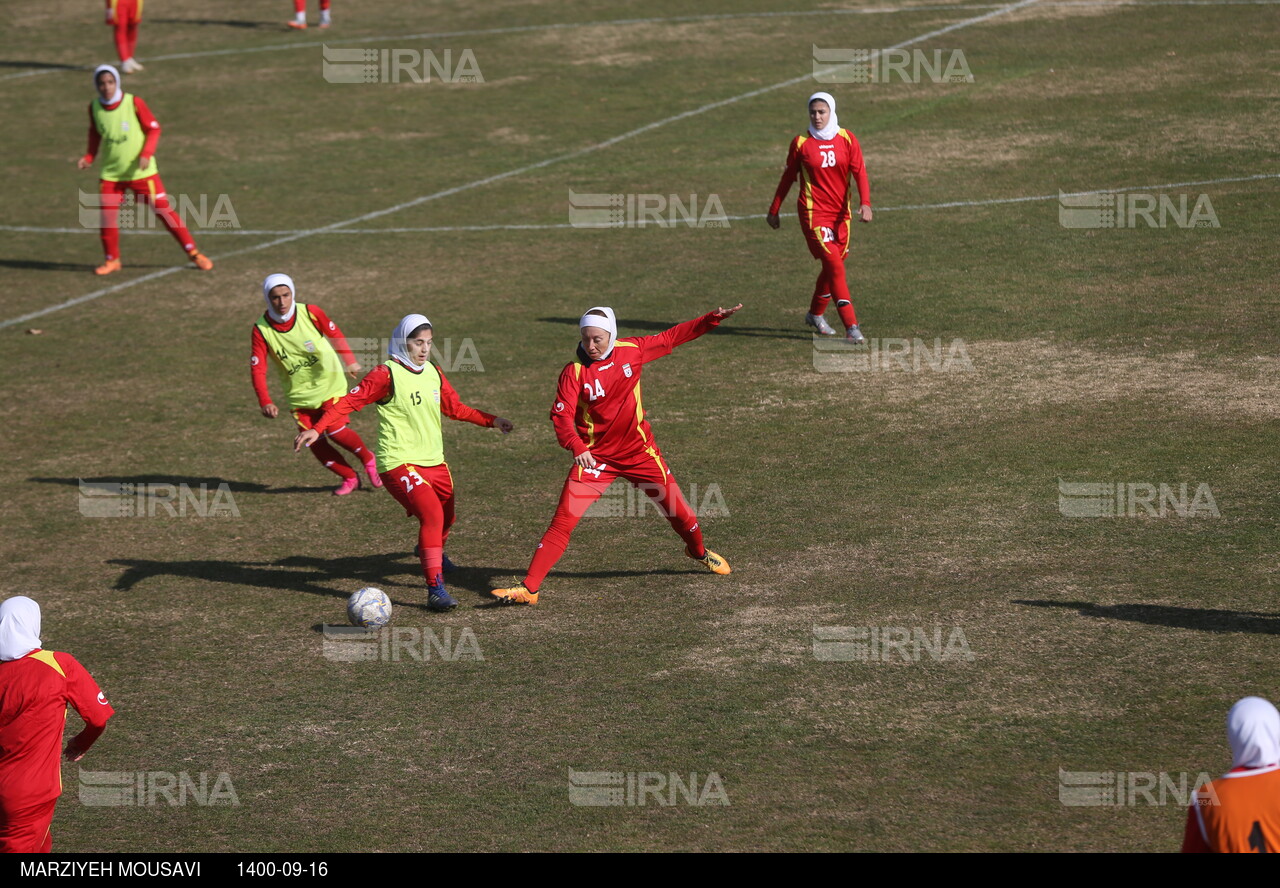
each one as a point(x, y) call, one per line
point(203, 262)
point(298, 26)
point(711, 561)
point(109, 267)
point(517, 594)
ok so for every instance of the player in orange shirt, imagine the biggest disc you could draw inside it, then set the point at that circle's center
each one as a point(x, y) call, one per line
point(599, 417)
point(1240, 811)
point(124, 16)
point(299, 22)
point(824, 161)
point(36, 686)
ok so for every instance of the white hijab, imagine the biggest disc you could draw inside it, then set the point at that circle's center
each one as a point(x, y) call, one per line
point(609, 322)
point(119, 86)
point(273, 281)
point(833, 124)
point(1253, 730)
point(19, 627)
point(396, 347)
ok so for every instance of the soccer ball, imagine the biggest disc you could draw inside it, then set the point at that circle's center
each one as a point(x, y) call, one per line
point(369, 608)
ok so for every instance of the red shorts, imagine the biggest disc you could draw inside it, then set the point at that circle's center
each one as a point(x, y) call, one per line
point(128, 12)
point(306, 417)
point(827, 238)
point(647, 471)
point(26, 831)
point(414, 487)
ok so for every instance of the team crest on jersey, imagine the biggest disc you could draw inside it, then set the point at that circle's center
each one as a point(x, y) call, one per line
point(124, 126)
point(309, 345)
point(626, 370)
point(437, 393)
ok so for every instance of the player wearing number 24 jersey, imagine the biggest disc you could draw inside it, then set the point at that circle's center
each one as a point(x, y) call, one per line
point(599, 417)
point(412, 395)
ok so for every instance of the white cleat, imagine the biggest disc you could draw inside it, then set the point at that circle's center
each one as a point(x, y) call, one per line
point(131, 66)
point(854, 336)
point(819, 323)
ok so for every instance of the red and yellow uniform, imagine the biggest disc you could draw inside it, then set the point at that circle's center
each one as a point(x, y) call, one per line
point(35, 691)
point(1239, 813)
point(127, 134)
point(824, 204)
point(410, 450)
point(125, 16)
point(599, 409)
point(311, 368)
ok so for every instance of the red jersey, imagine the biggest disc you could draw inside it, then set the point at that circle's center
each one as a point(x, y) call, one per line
point(598, 405)
point(34, 693)
point(376, 386)
point(149, 125)
point(258, 360)
point(824, 169)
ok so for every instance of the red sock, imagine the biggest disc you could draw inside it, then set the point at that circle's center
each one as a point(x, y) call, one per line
point(347, 438)
point(845, 307)
point(171, 221)
point(821, 294)
point(121, 34)
point(331, 459)
point(299, 5)
point(672, 504)
point(431, 558)
point(131, 37)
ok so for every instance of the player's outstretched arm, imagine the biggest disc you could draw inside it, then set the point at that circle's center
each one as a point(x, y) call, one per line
point(660, 344)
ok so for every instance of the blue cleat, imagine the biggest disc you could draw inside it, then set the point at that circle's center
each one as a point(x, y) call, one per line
point(446, 565)
point(438, 599)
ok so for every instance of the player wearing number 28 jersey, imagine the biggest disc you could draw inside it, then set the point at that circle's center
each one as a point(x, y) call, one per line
point(824, 161)
point(599, 417)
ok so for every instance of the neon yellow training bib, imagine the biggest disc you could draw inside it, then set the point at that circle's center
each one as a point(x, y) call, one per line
point(311, 368)
point(122, 142)
point(409, 420)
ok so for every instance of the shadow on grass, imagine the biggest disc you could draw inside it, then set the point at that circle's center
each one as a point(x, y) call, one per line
point(1203, 619)
point(190, 481)
point(5, 63)
point(225, 23)
point(728, 327)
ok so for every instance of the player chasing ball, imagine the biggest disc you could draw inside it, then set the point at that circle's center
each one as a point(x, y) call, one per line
point(117, 123)
point(824, 161)
point(599, 417)
point(297, 337)
point(412, 394)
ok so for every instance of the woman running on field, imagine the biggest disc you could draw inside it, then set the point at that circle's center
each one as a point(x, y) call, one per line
point(412, 394)
point(599, 418)
point(297, 336)
point(123, 129)
point(824, 160)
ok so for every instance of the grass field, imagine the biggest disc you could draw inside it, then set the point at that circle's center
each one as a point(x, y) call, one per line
point(877, 499)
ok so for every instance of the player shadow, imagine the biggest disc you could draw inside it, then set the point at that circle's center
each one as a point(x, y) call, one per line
point(43, 265)
point(292, 574)
point(1202, 619)
point(226, 23)
point(727, 327)
point(189, 481)
point(53, 66)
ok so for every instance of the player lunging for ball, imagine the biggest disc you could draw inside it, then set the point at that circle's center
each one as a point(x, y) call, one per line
point(824, 160)
point(297, 336)
point(599, 418)
point(412, 394)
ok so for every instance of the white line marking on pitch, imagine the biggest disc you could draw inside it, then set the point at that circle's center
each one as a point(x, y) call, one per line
point(677, 19)
point(551, 226)
point(571, 155)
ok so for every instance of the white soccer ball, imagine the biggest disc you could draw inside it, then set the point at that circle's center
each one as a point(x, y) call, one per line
point(369, 608)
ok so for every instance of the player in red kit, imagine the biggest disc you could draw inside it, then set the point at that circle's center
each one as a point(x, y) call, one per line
point(599, 417)
point(36, 687)
point(124, 17)
point(300, 15)
point(123, 127)
point(412, 395)
point(824, 161)
point(297, 337)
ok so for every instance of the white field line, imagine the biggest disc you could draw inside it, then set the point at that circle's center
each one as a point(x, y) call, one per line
point(560, 158)
point(551, 226)
point(560, 26)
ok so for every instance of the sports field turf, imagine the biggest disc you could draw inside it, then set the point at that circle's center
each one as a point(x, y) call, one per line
point(897, 496)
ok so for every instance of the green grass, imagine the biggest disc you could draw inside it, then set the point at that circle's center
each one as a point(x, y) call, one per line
point(881, 498)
